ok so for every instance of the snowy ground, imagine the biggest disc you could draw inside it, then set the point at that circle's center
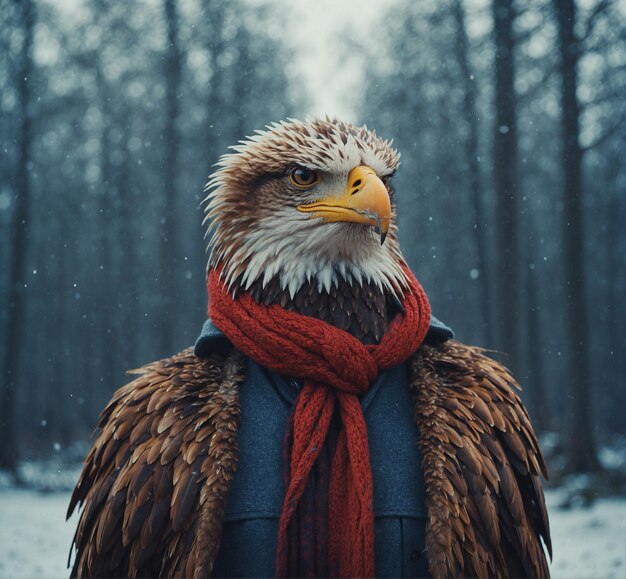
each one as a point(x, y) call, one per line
point(588, 542)
point(34, 538)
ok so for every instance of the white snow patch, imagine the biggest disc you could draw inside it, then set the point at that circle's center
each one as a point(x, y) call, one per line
point(588, 542)
point(34, 537)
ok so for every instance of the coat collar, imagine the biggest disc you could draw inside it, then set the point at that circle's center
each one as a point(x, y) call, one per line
point(211, 338)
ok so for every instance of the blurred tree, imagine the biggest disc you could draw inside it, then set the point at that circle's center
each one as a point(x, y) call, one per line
point(537, 384)
point(16, 323)
point(540, 325)
point(117, 159)
point(170, 225)
point(580, 440)
point(472, 152)
point(435, 51)
point(419, 92)
point(98, 123)
point(601, 35)
point(506, 186)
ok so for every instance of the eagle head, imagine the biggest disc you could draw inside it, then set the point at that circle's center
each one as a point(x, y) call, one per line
point(306, 203)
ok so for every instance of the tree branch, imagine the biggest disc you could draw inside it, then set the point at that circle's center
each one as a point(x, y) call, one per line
point(617, 93)
point(530, 92)
point(600, 8)
point(604, 136)
point(527, 34)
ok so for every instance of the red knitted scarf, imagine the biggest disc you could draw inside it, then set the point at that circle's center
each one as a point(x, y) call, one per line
point(336, 369)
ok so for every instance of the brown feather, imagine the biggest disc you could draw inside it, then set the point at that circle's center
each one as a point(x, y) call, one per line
point(154, 499)
point(364, 310)
point(146, 489)
point(458, 389)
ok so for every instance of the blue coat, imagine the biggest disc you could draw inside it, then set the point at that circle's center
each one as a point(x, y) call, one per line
point(250, 528)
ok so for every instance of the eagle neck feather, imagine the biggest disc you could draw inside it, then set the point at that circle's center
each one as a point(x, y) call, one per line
point(362, 308)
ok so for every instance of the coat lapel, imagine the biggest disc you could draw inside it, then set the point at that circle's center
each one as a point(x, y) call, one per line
point(481, 463)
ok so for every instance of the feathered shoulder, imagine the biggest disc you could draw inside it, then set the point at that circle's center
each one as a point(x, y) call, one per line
point(154, 482)
point(482, 463)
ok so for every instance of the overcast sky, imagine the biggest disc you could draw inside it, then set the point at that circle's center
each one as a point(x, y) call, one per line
point(314, 28)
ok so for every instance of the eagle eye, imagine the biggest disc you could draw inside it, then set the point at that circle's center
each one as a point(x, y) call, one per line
point(303, 178)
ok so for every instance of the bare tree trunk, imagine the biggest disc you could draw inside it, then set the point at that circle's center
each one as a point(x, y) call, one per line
point(617, 331)
point(580, 441)
point(537, 398)
point(213, 14)
point(169, 245)
point(58, 426)
point(506, 187)
point(18, 265)
point(106, 313)
point(129, 263)
point(472, 154)
point(616, 335)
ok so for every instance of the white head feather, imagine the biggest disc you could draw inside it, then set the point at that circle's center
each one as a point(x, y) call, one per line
point(257, 232)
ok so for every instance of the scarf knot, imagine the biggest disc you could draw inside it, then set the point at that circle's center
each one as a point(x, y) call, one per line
point(336, 368)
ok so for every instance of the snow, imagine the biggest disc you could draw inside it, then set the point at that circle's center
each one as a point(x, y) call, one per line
point(35, 539)
point(588, 542)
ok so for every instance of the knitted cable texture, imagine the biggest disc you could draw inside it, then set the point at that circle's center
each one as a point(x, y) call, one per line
point(336, 369)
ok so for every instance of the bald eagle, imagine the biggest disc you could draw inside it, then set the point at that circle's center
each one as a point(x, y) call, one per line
point(324, 424)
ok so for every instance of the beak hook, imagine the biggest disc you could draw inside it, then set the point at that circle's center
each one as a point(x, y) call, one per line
point(379, 229)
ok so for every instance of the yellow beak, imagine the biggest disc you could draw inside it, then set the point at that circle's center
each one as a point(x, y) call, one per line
point(364, 200)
